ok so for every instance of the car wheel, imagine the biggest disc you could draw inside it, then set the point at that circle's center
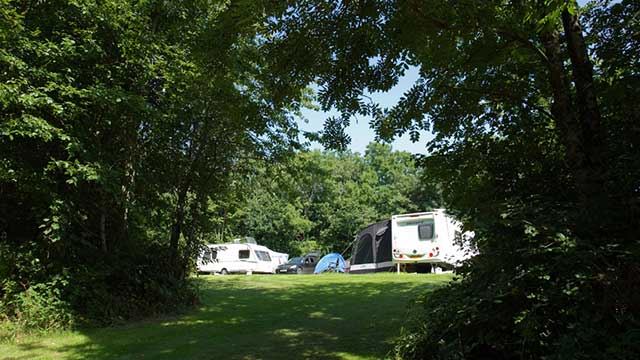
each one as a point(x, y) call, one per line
point(298, 271)
point(224, 272)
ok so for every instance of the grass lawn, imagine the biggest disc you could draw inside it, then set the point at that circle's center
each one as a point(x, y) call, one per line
point(256, 317)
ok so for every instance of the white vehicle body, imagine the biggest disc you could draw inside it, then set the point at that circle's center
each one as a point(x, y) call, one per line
point(278, 258)
point(236, 258)
point(427, 237)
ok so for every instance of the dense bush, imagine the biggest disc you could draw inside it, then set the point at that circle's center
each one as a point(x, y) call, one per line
point(517, 313)
point(107, 292)
point(131, 287)
point(41, 306)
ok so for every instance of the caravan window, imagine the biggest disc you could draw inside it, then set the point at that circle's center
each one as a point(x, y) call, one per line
point(263, 255)
point(206, 255)
point(425, 231)
point(244, 254)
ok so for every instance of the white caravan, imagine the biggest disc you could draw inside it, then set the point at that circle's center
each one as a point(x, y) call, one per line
point(427, 237)
point(236, 258)
point(278, 258)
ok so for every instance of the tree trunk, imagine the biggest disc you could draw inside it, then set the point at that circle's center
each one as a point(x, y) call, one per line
point(127, 195)
point(590, 169)
point(103, 231)
point(176, 228)
point(578, 120)
point(562, 107)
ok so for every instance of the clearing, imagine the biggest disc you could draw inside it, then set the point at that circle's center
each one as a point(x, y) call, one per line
point(332, 316)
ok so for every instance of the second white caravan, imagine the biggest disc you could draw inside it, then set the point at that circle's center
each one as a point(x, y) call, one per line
point(236, 258)
point(427, 237)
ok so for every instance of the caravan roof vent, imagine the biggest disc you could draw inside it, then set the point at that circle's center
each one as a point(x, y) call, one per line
point(245, 240)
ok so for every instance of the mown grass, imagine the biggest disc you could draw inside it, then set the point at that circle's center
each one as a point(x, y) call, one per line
point(255, 317)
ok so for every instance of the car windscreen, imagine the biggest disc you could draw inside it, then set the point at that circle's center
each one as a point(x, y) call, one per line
point(295, 261)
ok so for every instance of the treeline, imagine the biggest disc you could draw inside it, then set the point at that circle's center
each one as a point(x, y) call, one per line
point(320, 200)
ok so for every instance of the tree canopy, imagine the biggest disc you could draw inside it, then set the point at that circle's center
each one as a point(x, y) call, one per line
point(535, 149)
point(321, 200)
point(119, 123)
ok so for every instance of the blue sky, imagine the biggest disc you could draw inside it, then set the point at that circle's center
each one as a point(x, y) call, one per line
point(359, 130)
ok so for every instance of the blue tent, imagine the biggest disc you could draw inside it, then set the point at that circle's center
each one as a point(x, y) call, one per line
point(333, 262)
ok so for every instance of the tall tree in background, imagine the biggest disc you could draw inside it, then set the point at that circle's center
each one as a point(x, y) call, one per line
point(320, 200)
point(535, 149)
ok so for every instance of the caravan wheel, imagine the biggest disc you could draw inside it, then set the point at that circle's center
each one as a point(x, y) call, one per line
point(224, 272)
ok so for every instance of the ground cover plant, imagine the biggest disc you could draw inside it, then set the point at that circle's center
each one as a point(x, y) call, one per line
point(330, 316)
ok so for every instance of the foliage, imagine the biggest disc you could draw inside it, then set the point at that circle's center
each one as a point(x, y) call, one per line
point(42, 306)
point(531, 104)
point(320, 200)
point(120, 122)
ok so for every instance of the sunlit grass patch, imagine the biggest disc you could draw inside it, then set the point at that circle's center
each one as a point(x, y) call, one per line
point(334, 316)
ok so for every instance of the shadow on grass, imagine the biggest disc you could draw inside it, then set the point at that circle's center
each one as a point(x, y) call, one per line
point(285, 317)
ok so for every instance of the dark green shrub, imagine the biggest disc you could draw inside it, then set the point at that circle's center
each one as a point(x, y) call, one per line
point(42, 306)
point(128, 289)
point(572, 310)
point(112, 290)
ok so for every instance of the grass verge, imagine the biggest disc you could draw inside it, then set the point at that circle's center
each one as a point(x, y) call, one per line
point(333, 316)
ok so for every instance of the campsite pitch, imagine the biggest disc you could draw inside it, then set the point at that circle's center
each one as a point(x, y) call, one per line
point(333, 316)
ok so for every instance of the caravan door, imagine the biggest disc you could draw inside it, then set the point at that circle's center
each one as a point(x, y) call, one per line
point(264, 263)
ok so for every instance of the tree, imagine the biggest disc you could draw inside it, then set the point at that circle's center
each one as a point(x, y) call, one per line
point(120, 124)
point(323, 199)
point(524, 151)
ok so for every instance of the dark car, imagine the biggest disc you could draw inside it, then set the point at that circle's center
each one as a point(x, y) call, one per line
point(299, 265)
